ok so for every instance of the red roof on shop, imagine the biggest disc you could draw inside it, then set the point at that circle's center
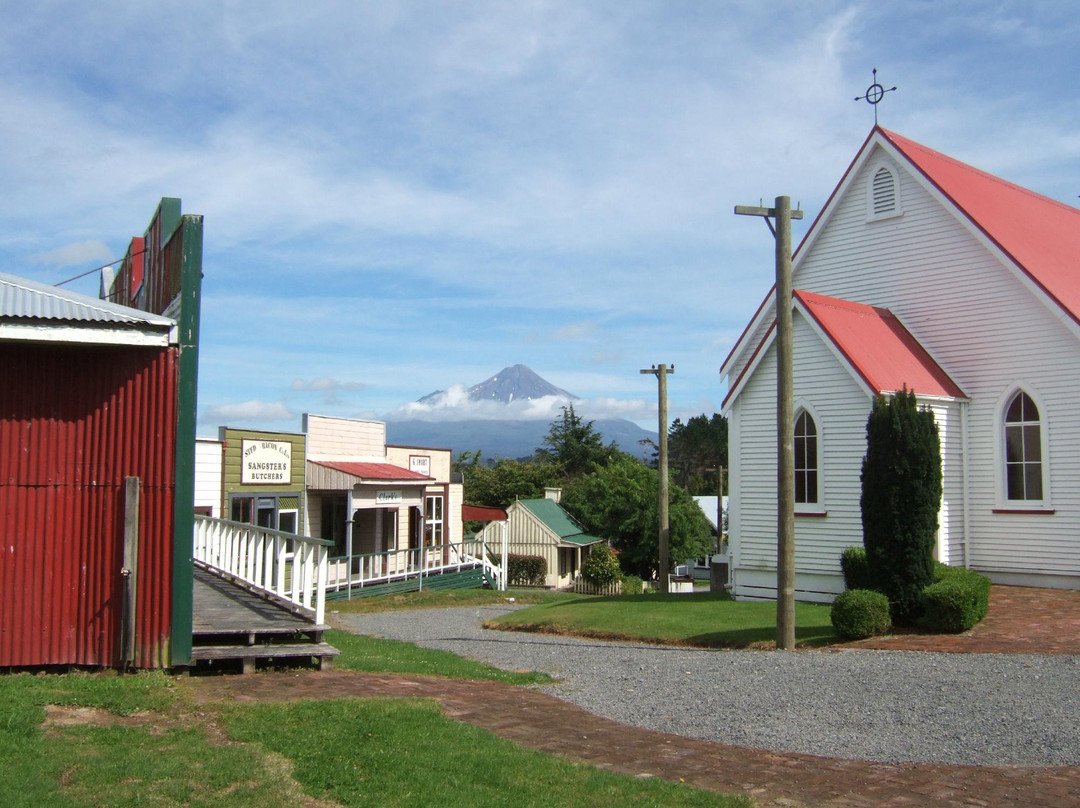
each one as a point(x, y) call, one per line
point(373, 471)
point(482, 513)
point(878, 347)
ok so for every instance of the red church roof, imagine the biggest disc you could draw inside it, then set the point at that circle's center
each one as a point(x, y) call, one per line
point(878, 347)
point(1040, 234)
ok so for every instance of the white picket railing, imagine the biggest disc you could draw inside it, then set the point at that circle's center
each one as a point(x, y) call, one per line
point(367, 569)
point(286, 566)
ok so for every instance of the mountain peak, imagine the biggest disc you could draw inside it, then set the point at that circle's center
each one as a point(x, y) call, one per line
point(514, 383)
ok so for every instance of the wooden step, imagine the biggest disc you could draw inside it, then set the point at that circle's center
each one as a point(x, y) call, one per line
point(249, 653)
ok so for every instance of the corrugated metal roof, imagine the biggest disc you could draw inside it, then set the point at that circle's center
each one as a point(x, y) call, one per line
point(551, 513)
point(1040, 234)
point(878, 347)
point(22, 299)
point(372, 472)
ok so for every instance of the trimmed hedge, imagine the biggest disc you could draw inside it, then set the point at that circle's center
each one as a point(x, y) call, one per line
point(957, 600)
point(860, 613)
point(523, 570)
point(855, 567)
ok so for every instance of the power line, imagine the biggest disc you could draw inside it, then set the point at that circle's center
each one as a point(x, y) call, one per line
point(98, 269)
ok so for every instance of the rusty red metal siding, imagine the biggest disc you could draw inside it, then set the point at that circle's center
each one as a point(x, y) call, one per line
point(75, 420)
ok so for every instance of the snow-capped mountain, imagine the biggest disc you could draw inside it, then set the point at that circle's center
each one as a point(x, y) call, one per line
point(518, 433)
point(515, 383)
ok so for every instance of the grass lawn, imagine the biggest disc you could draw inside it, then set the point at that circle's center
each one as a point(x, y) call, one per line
point(376, 655)
point(698, 619)
point(135, 741)
point(445, 598)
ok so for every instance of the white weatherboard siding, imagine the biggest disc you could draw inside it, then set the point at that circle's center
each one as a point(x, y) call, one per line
point(208, 470)
point(528, 536)
point(991, 334)
point(837, 402)
point(332, 438)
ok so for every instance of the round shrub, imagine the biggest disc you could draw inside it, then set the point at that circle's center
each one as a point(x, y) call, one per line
point(600, 566)
point(860, 613)
point(631, 585)
point(855, 567)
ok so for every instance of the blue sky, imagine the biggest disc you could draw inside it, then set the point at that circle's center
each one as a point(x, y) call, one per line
point(402, 197)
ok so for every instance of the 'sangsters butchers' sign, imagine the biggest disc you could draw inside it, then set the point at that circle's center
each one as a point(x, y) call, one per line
point(265, 462)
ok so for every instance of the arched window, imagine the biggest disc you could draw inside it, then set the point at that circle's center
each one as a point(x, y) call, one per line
point(806, 459)
point(1023, 450)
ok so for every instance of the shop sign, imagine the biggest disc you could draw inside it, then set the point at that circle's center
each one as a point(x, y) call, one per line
point(387, 497)
point(265, 462)
point(421, 464)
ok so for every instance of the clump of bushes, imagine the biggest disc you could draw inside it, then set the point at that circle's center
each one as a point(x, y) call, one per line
point(860, 613)
point(856, 568)
point(600, 567)
point(631, 585)
point(523, 570)
point(957, 600)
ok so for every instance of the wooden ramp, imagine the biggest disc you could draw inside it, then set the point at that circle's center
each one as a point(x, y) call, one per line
point(230, 622)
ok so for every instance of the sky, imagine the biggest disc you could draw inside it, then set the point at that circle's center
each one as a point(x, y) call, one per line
point(403, 197)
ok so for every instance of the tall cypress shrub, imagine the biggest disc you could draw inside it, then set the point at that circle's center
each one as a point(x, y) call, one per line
point(901, 497)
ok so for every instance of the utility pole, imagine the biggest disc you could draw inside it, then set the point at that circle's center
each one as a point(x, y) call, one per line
point(661, 373)
point(785, 419)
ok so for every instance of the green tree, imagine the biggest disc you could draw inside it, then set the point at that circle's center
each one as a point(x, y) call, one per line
point(695, 449)
point(600, 566)
point(901, 497)
point(619, 502)
point(498, 484)
point(573, 445)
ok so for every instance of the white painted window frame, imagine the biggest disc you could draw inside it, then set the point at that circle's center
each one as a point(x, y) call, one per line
point(818, 506)
point(1001, 472)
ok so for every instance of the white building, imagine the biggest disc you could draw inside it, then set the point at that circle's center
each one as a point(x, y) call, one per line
point(920, 271)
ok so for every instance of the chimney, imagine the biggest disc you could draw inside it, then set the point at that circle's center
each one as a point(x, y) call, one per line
point(553, 493)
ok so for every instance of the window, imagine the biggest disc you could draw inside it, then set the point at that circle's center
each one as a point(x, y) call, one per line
point(433, 507)
point(806, 460)
point(1023, 450)
point(884, 194)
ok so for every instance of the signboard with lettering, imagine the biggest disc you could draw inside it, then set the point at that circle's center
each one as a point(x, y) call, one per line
point(265, 462)
point(387, 497)
point(421, 464)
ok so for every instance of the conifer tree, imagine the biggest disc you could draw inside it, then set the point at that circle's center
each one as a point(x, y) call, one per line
point(901, 497)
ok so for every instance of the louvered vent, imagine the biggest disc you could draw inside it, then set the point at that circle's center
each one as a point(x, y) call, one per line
point(884, 190)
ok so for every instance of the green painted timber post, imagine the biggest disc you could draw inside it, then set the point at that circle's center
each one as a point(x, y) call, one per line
point(191, 230)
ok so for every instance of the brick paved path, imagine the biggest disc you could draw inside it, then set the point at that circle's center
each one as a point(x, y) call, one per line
point(1020, 621)
point(539, 721)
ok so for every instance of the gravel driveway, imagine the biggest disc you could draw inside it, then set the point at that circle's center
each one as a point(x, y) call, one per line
point(888, 706)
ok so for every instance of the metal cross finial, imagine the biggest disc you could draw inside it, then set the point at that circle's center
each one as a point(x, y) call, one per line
point(874, 93)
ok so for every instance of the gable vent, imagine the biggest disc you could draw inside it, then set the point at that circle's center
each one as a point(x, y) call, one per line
point(884, 192)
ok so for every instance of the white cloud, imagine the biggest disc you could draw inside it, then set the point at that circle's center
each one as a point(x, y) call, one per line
point(325, 384)
point(83, 252)
point(454, 404)
point(249, 412)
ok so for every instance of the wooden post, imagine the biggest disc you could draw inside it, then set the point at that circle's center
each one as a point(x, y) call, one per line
point(661, 372)
point(785, 435)
point(130, 570)
point(785, 427)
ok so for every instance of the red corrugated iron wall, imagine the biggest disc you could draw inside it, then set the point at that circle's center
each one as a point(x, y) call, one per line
point(74, 422)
